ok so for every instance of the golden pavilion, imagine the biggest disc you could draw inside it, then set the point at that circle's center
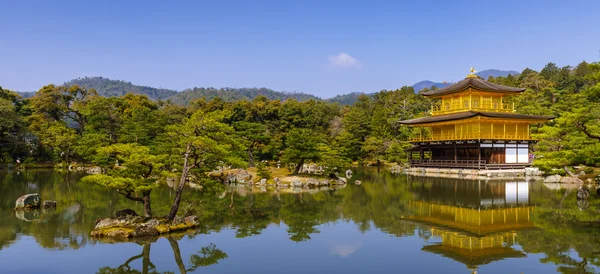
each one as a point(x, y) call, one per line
point(472, 126)
point(475, 224)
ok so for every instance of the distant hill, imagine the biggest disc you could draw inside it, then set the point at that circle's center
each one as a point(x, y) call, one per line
point(428, 84)
point(114, 88)
point(346, 99)
point(496, 73)
point(233, 94)
point(483, 74)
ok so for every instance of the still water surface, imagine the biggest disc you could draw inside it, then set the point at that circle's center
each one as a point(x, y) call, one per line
point(390, 223)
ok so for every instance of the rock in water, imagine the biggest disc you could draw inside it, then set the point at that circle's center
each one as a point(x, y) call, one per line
point(342, 181)
point(583, 193)
point(28, 201)
point(348, 174)
point(357, 182)
point(125, 213)
point(49, 204)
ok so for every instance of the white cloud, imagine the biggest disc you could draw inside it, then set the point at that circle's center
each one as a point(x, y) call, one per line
point(343, 60)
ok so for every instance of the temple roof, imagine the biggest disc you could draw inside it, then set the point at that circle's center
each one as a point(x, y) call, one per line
point(473, 259)
point(474, 82)
point(471, 113)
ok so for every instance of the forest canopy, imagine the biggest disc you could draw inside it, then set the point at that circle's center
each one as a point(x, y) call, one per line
point(70, 123)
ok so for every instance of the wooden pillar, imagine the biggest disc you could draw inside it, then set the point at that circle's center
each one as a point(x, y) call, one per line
point(455, 153)
point(479, 155)
point(421, 153)
point(517, 131)
point(504, 130)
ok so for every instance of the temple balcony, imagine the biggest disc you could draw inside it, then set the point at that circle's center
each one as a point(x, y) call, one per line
point(472, 136)
point(457, 107)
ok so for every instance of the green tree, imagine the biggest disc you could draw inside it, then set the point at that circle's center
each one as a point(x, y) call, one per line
point(130, 169)
point(302, 145)
point(205, 141)
point(253, 135)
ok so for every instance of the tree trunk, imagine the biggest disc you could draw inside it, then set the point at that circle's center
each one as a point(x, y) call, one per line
point(146, 201)
point(250, 158)
point(177, 253)
point(146, 264)
point(298, 166)
point(179, 190)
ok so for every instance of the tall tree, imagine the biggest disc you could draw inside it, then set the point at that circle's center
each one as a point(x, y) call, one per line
point(205, 142)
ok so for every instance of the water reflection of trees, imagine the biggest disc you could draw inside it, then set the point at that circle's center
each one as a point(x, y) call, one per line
point(207, 256)
point(568, 237)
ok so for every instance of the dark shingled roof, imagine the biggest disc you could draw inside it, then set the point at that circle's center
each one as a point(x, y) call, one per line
point(471, 113)
point(476, 83)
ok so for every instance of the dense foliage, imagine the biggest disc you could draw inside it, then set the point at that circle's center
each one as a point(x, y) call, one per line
point(572, 95)
point(65, 124)
point(234, 94)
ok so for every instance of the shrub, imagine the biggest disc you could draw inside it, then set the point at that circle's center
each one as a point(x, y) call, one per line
point(262, 170)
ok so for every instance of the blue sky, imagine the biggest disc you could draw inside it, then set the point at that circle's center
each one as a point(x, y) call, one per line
point(319, 47)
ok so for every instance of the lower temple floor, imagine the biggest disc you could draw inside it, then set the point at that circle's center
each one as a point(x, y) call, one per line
point(474, 154)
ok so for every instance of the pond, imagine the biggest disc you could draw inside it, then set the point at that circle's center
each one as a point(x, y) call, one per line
point(389, 223)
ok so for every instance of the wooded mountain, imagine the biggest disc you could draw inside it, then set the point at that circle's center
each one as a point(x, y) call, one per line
point(114, 88)
point(485, 74)
point(234, 94)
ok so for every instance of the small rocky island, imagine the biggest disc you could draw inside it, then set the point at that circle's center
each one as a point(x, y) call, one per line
point(127, 224)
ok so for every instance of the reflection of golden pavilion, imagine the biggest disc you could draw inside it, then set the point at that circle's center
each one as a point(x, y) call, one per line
point(477, 225)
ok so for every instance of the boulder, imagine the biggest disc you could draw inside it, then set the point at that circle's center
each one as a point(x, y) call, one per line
point(242, 176)
point(553, 179)
point(191, 220)
point(276, 180)
point(94, 170)
point(262, 182)
point(312, 182)
point(229, 178)
point(28, 201)
point(111, 222)
point(49, 204)
point(296, 183)
point(144, 231)
point(357, 182)
point(152, 223)
point(571, 180)
point(324, 182)
point(125, 212)
point(583, 193)
point(341, 181)
point(348, 174)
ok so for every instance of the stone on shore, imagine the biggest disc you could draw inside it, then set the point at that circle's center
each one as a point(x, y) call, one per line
point(553, 179)
point(571, 180)
point(357, 182)
point(28, 201)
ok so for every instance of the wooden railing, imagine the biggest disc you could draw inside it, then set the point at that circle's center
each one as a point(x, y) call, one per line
point(448, 163)
point(491, 107)
point(471, 136)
